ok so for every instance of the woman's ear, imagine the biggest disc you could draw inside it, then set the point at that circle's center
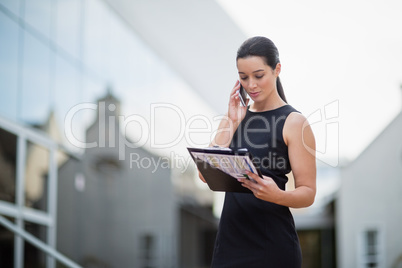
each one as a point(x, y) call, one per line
point(278, 69)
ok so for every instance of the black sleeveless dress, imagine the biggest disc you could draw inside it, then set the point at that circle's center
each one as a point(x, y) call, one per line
point(253, 232)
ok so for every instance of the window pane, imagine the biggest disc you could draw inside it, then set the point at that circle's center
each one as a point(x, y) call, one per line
point(38, 14)
point(119, 70)
point(6, 246)
point(36, 81)
point(95, 36)
point(129, 63)
point(147, 251)
point(34, 257)
point(68, 25)
point(371, 248)
point(371, 237)
point(371, 240)
point(12, 5)
point(8, 160)
point(66, 91)
point(8, 67)
point(36, 176)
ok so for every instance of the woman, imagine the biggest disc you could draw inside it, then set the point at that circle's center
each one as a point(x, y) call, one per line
point(257, 230)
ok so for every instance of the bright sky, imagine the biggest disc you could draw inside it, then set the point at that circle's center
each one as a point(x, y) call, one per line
point(346, 55)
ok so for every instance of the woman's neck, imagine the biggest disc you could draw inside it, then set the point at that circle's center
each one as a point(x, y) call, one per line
point(271, 103)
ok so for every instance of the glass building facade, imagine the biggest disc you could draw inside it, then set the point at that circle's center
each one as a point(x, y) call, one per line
point(55, 54)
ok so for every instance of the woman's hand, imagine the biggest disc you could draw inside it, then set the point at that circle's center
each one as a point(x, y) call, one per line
point(201, 177)
point(236, 111)
point(263, 188)
point(229, 124)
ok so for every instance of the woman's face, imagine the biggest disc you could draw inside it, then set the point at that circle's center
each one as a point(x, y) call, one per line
point(257, 78)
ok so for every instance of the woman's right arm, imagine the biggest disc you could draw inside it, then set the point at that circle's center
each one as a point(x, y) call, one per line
point(224, 133)
point(231, 121)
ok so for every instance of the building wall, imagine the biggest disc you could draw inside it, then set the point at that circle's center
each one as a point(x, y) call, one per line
point(112, 213)
point(198, 230)
point(370, 198)
point(106, 222)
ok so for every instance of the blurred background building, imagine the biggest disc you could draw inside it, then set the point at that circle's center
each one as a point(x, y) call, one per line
point(369, 204)
point(98, 101)
point(65, 66)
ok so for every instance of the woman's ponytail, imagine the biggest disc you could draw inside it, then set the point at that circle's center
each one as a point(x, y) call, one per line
point(279, 88)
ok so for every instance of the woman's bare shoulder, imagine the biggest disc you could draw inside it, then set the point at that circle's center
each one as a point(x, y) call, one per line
point(295, 126)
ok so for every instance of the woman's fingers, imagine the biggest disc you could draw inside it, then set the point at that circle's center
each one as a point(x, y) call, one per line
point(256, 178)
point(235, 88)
point(201, 177)
point(254, 182)
point(235, 97)
point(250, 183)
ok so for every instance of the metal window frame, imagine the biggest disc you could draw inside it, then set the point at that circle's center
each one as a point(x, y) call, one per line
point(363, 258)
point(24, 214)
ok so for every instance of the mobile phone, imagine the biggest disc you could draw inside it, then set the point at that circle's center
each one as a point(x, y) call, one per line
point(242, 95)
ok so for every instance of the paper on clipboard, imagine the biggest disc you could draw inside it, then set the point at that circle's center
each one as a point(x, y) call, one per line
point(234, 165)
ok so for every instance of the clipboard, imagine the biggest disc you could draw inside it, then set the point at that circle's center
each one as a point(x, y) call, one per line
point(221, 167)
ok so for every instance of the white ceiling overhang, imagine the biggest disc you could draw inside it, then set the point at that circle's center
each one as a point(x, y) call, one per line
point(197, 38)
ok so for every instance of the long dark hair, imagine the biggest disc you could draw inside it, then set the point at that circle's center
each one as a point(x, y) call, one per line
point(265, 48)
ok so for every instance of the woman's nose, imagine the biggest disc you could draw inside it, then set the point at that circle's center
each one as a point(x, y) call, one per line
point(252, 84)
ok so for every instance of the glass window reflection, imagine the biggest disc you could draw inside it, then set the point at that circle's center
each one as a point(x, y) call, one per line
point(95, 36)
point(7, 246)
point(11, 5)
point(35, 99)
point(8, 162)
point(36, 174)
point(68, 21)
point(66, 91)
point(8, 67)
point(33, 256)
point(38, 14)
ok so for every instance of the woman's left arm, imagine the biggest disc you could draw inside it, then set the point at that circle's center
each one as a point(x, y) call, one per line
point(300, 140)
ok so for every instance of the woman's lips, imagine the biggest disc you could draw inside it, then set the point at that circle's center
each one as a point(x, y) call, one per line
point(253, 94)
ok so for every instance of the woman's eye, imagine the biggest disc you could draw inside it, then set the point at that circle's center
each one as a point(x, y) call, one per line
point(243, 78)
point(259, 76)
